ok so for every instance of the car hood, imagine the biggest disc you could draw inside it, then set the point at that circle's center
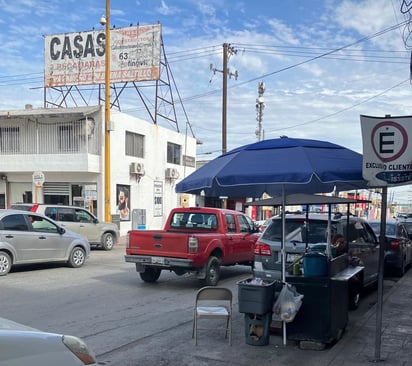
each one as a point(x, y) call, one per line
point(7, 324)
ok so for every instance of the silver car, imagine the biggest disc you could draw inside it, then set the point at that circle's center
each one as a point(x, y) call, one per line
point(78, 219)
point(27, 237)
point(22, 345)
point(303, 235)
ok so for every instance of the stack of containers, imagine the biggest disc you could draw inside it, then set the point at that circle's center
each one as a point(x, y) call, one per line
point(256, 298)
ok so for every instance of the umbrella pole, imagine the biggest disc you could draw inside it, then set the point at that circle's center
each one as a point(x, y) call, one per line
point(283, 256)
point(329, 238)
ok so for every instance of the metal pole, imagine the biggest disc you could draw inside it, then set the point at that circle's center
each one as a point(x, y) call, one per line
point(224, 99)
point(379, 304)
point(107, 117)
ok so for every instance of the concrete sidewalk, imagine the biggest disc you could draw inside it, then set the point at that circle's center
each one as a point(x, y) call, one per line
point(358, 345)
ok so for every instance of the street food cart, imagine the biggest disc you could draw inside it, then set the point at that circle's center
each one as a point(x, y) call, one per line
point(323, 280)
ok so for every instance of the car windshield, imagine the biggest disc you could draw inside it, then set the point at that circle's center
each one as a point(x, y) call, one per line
point(194, 220)
point(390, 228)
point(408, 226)
point(298, 230)
point(376, 227)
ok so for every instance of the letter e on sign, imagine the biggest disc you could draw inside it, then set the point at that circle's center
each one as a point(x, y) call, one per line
point(389, 141)
point(38, 179)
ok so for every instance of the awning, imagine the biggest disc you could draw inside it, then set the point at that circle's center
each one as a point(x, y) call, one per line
point(304, 199)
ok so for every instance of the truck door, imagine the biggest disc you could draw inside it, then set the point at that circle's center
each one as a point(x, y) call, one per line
point(237, 244)
point(247, 240)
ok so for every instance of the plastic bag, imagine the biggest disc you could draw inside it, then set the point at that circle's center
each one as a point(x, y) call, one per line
point(288, 303)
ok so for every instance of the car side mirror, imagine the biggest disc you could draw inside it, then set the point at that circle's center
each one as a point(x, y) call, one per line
point(61, 230)
point(95, 221)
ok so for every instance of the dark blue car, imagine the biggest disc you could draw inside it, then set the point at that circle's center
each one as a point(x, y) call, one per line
point(398, 247)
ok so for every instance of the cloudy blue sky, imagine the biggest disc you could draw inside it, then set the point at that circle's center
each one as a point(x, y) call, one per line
point(324, 62)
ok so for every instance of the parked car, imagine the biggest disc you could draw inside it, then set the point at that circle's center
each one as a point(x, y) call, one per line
point(407, 223)
point(21, 345)
point(302, 235)
point(262, 224)
point(404, 215)
point(27, 237)
point(79, 220)
point(398, 245)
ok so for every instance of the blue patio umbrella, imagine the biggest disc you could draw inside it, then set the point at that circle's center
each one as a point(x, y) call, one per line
point(276, 167)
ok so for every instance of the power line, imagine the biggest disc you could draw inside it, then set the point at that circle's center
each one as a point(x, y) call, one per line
point(344, 109)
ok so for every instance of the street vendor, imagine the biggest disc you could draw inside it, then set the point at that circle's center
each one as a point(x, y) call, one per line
point(338, 243)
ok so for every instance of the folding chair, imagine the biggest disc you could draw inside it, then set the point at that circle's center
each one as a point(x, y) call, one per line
point(212, 303)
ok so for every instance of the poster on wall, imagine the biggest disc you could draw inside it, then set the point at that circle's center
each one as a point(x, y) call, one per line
point(158, 199)
point(123, 199)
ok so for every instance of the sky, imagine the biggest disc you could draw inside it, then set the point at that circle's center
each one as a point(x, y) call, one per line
point(323, 62)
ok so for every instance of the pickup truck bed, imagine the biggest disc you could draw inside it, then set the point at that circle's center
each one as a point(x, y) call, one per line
point(194, 240)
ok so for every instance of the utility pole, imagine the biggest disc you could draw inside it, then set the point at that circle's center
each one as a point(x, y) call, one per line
point(228, 51)
point(260, 106)
point(106, 22)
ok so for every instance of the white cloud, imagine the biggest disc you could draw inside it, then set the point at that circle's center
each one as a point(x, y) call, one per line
point(165, 9)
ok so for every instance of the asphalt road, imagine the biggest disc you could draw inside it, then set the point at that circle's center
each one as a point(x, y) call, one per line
point(104, 302)
point(124, 320)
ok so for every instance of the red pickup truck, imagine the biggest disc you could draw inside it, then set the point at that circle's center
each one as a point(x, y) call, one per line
point(195, 240)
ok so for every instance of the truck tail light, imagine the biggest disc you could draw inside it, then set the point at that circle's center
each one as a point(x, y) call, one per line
point(395, 244)
point(262, 249)
point(193, 245)
point(34, 208)
point(128, 240)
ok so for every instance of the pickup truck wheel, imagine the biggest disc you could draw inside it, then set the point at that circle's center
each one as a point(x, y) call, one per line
point(212, 271)
point(108, 241)
point(150, 274)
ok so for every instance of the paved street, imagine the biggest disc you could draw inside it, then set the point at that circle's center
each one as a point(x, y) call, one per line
point(128, 322)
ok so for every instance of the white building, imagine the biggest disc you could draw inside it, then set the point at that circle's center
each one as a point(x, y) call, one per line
point(67, 146)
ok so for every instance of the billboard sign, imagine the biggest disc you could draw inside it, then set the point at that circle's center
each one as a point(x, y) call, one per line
point(387, 154)
point(79, 58)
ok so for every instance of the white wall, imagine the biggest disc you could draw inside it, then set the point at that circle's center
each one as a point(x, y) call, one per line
point(142, 192)
point(155, 163)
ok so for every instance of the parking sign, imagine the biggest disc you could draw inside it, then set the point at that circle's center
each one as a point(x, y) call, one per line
point(387, 154)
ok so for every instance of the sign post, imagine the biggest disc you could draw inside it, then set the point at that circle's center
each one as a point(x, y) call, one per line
point(38, 181)
point(387, 161)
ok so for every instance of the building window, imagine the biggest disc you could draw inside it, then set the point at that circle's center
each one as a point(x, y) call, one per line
point(68, 140)
point(9, 139)
point(173, 153)
point(134, 144)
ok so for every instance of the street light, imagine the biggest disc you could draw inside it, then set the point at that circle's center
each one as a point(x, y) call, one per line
point(105, 20)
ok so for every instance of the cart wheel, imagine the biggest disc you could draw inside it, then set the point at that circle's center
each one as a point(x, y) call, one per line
point(354, 297)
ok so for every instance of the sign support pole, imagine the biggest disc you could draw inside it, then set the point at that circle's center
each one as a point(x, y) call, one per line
point(379, 304)
point(107, 118)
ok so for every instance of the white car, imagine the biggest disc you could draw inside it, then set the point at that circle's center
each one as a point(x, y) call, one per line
point(98, 233)
point(21, 345)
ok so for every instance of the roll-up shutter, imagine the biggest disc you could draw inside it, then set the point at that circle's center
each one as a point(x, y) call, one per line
point(58, 189)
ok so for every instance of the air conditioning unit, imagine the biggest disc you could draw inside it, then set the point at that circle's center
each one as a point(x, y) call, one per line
point(172, 173)
point(137, 168)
